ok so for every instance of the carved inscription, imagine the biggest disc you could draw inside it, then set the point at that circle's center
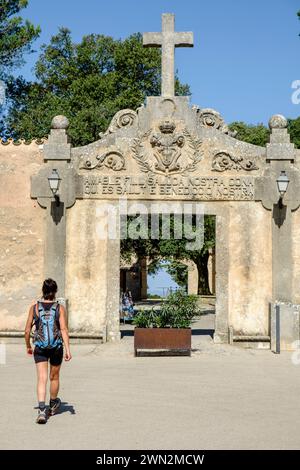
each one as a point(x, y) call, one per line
point(156, 186)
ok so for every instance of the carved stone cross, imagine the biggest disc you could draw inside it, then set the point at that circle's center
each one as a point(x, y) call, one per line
point(167, 40)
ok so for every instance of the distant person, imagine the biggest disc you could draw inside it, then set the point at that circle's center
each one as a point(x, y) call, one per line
point(51, 332)
point(127, 304)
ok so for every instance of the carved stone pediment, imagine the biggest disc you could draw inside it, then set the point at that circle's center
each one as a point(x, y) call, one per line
point(211, 119)
point(167, 150)
point(121, 120)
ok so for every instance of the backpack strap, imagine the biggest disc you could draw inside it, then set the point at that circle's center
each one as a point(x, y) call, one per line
point(57, 313)
point(36, 311)
point(55, 308)
point(35, 314)
point(58, 310)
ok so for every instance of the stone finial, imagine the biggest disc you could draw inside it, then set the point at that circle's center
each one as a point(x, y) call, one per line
point(60, 122)
point(280, 147)
point(58, 146)
point(278, 121)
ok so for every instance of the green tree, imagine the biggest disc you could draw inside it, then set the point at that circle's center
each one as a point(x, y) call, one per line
point(16, 35)
point(174, 250)
point(253, 134)
point(177, 250)
point(260, 135)
point(88, 82)
point(294, 131)
point(178, 271)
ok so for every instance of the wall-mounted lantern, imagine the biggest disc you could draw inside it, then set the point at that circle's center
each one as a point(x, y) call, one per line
point(54, 182)
point(282, 184)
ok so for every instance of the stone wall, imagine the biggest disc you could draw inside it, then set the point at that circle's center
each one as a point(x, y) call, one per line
point(21, 234)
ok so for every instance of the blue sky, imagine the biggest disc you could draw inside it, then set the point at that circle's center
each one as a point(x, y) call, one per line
point(160, 283)
point(246, 53)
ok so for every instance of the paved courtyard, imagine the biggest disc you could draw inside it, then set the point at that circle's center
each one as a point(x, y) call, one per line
point(220, 398)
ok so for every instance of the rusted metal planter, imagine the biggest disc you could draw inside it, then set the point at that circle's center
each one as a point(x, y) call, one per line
point(167, 339)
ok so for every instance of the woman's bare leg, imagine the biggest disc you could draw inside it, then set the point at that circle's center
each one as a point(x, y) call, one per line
point(42, 377)
point(54, 381)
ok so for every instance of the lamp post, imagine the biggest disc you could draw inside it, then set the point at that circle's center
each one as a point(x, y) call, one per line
point(54, 182)
point(282, 185)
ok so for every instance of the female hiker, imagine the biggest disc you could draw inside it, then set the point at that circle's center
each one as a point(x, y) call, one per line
point(49, 318)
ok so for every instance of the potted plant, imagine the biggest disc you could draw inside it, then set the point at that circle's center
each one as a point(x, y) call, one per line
point(167, 328)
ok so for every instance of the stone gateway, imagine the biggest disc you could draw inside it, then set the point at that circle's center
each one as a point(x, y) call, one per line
point(166, 151)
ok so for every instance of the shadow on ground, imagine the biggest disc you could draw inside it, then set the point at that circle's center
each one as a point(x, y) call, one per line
point(65, 407)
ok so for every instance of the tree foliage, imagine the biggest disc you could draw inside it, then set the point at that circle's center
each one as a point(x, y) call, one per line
point(178, 271)
point(294, 131)
point(16, 35)
point(253, 134)
point(174, 249)
point(88, 82)
point(260, 134)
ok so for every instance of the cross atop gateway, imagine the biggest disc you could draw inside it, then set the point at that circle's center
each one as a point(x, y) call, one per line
point(168, 39)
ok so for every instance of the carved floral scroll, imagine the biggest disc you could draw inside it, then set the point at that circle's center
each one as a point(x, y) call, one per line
point(223, 161)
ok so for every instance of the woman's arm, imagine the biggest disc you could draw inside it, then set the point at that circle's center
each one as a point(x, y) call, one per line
point(64, 331)
point(28, 328)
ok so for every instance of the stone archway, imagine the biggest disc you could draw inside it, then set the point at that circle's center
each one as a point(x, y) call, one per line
point(164, 152)
point(222, 267)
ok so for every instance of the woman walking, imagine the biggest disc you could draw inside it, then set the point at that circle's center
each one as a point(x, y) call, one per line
point(51, 333)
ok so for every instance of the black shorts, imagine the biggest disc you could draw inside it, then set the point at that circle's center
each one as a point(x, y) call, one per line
point(55, 355)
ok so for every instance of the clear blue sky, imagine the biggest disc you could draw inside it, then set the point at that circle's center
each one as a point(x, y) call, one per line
point(246, 54)
point(159, 283)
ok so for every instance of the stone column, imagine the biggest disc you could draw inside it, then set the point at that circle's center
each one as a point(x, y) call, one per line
point(280, 156)
point(282, 262)
point(113, 283)
point(222, 269)
point(57, 155)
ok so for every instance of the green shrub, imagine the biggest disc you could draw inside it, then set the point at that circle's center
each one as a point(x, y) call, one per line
point(177, 311)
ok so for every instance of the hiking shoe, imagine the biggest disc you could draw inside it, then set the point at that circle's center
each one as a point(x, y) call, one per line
point(41, 418)
point(53, 409)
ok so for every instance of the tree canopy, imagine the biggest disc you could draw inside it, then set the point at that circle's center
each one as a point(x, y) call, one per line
point(253, 134)
point(16, 35)
point(174, 250)
point(260, 134)
point(88, 82)
point(294, 131)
